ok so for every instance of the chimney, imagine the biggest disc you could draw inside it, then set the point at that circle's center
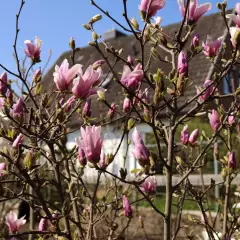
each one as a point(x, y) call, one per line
point(113, 34)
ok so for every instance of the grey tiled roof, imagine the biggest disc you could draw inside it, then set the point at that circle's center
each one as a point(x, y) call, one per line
point(199, 66)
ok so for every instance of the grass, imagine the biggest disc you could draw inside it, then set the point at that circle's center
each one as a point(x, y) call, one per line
point(159, 202)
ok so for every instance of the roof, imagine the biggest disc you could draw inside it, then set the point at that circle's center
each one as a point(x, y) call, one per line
point(198, 67)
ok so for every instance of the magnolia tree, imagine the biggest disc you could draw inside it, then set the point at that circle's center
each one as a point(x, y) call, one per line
point(36, 163)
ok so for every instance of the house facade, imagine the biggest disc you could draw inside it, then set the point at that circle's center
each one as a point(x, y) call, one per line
point(199, 69)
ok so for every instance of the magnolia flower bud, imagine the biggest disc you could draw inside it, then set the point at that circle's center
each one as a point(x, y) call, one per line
point(72, 43)
point(193, 137)
point(134, 23)
point(43, 224)
point(101, 95)
point(232, 160)
point(86, 112)
point(185, 135)
point(111, 111)
point(95, 18)
point(2, 168)
point(126, 105)
point(127, 207)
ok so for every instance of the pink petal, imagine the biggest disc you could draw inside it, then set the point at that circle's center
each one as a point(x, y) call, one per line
point(201, 10)
point(72, 72)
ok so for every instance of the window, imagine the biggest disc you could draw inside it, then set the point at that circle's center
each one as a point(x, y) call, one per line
point(227, 84)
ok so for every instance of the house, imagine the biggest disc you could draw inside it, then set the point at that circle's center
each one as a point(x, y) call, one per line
point(200, 68)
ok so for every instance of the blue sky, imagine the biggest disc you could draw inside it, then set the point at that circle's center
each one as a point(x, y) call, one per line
point(55, 21)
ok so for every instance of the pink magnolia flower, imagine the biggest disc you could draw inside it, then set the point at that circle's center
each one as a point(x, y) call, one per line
point(233, 32)
point(232, 160)
point(18, 108)
point(214, 120)
point(231, 119)
point(81, 157)
point(208, 92)
point(210, 47)
point(91, 143)
point(14, 224)
point(182, 64)
point(126, 207)
point(2, 168)
point(185, 135)
point(18, 141)
point(158, 20)
point(151, 6)
point(132, 79)
point(2, 103)
point(126, 105)
point(235, 18)
point(84, 83)
point(194, 11)
point(103, 161)
point(98, 64)
point(149, 185)
point(86, 112)
point(130, 60)
point(193, 137)
point(195, 41)
point(140, 151)
point(43, 224)
point(63, 75)
point(111, 111)
point(33, 50)
point(69, 103)
point(3, 83)
point(37, 75)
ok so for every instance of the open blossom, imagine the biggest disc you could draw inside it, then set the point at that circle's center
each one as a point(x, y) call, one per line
point(126, 207)
point(149, 185)
point(214, 120)
point(182, 64)
point(234, 32)
point(151, 6)
point(184, 135)
point(43, 224)
point(193, 137)
point(235, 18)
point(63, 75)
point(33, 50)
point(232, 160)
point(2, 168)
point(83, 85)
point(132, 79)
point(126, 105)
point(3, 83)
point(194, 11)
point(208, 85)
point(18, 108)
point(140, 151)
point(18, 141)
point(91, 143)
point(14, 224)
point(210, 47)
